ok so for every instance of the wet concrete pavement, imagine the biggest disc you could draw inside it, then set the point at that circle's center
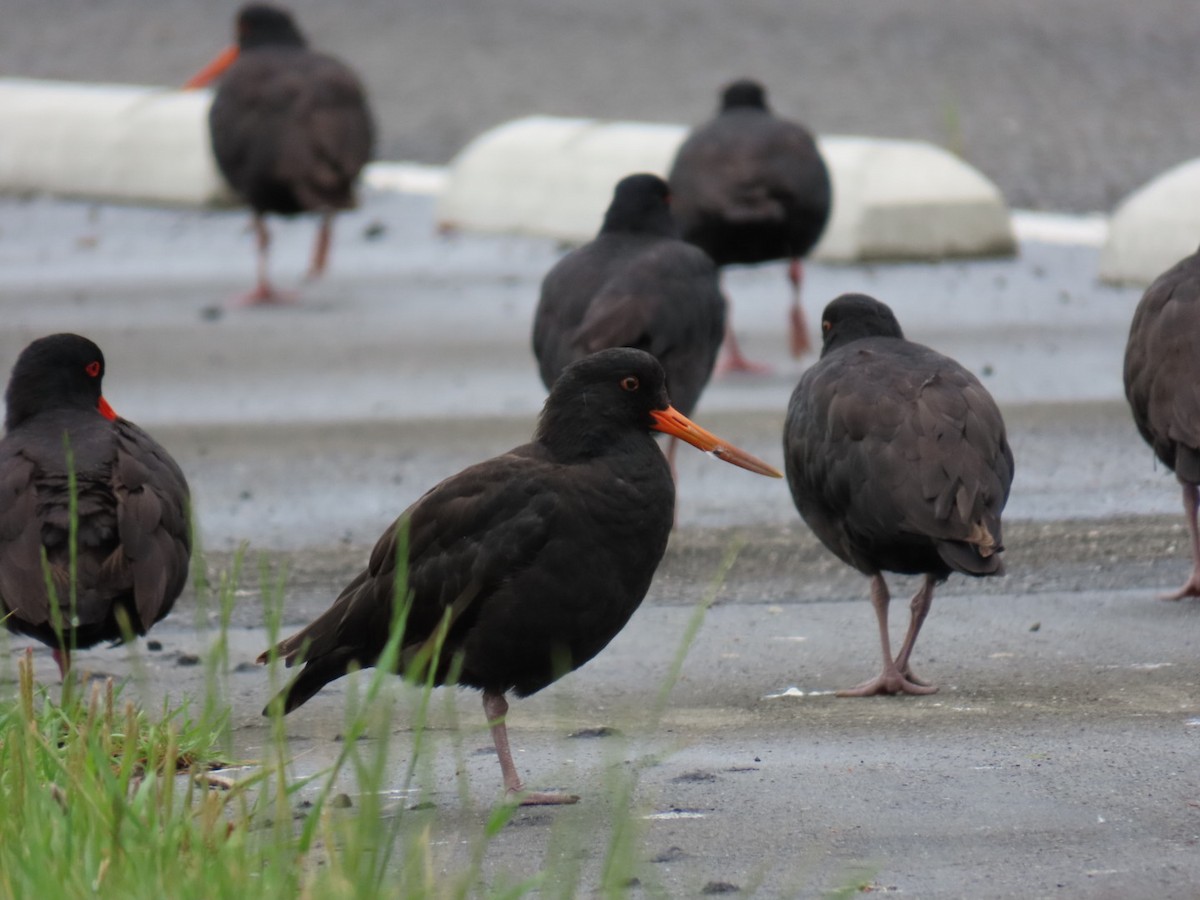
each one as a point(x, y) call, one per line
point(1059, 757)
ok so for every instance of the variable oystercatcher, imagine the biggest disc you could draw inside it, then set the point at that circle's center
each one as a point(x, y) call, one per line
point(1162, 383)
point(523, 567)
point(636, 285)
point(73, 472)
point(748, 187)
point(898, 461)
point(290, 129)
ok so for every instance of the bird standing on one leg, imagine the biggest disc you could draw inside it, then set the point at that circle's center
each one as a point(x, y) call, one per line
point(130, 507)
point(290, 130)
point(1162, 384)
point(525, 566)
point(748, 187)
point(898, 461)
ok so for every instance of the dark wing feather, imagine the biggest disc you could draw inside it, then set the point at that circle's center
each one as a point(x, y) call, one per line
point(22, 585)
point(465, 537)
point(1162, 368)
point(748, 187)
point(503, 554)
point(153, 521)
point(898, 458)
point(131, 515)
point(291, 130)
point(656, 294)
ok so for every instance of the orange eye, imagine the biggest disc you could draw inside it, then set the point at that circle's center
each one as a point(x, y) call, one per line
point(630, 383)
point(93, 368)
point(825, 326)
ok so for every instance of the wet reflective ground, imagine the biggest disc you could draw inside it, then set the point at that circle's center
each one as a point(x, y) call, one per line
point(1058, 758)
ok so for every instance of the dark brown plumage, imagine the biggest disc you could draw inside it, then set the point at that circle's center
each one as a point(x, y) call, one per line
point(133, 534)
point(290, 129)
point(898, 461)
point(748, 187)
point(533, 560)
point(1162, 384)
point(636, 285)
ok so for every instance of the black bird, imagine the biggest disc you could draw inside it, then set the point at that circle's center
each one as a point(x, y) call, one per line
point(748, 187)
point(131, 526)
point(290, 129)
point(527, 564)
point(898, 461)
point(1162, 383)
point(636, 285)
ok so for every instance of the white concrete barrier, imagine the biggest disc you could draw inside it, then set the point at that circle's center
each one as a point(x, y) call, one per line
point(108, 141)
point(1154, 227)
point(554, 177)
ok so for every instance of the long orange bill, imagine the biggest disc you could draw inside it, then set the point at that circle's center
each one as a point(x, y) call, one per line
point(105, 410)
point(220, 63)
point(671, 421)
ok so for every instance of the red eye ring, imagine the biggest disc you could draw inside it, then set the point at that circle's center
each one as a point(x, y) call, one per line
point(93, 368)
point(826, 325)
point(630, 383)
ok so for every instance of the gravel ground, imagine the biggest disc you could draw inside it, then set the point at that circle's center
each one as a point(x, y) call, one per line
point(1067, 105)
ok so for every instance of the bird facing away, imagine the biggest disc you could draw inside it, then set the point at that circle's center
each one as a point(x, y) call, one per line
point(636, 285)
point(897, 459)
point(748, 187)
point(528, 564)
point(1162, 384)
point(131, 527)
point(290, 130)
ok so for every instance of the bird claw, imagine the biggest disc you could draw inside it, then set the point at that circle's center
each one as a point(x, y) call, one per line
point(264, 296)
point(540, 798)
point(799, 342)
point(1191, 589)
point(735, 362)
point(890, 683)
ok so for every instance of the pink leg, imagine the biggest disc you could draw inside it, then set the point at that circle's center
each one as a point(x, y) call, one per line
point(919, 609)
point(892, 679)
point(730, 358)
point(1191, 501)
point(321, 249)
point(800, 343)
point(63, 659)
point(263, 294)
point(495, 707)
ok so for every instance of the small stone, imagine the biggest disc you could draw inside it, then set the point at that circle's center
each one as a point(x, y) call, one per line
point(154, 646)
point(602, 731)
point(721, 887)
point(671, 854)
point(187, 659)
point(341, 801)
point(697, 775)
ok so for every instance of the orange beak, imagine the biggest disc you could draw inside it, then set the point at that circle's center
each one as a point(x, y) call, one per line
point(220, 63)
point(105, 410)
point(671, 421)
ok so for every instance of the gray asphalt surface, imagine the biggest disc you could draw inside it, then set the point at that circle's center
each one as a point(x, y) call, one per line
point(1067, 105)
point(1058, 760)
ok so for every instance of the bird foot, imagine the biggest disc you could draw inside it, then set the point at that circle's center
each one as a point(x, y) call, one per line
point(1191, 589)
point(735, 362)
point(798, 342)
point(890, 683)
point(540, 798)
point(264, 296)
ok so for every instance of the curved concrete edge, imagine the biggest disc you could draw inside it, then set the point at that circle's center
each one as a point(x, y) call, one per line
point(106, 141)
point(553, 177)
point(1154, 227)
point(550, 177)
